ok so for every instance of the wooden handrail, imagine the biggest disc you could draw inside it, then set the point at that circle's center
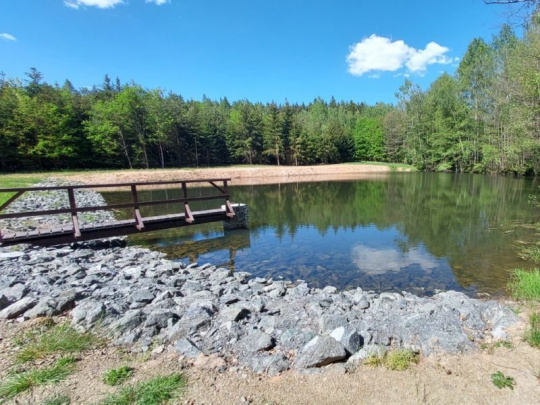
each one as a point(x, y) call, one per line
point(110, 185)
point(135, 204)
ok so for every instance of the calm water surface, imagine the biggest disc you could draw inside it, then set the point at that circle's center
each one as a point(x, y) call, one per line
point(416, 232)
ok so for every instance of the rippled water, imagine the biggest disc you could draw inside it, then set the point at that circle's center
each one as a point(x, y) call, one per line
point(417, 232)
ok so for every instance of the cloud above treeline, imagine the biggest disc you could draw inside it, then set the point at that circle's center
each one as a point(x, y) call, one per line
point(379, 54)
point(7, 37)
point(76, 4)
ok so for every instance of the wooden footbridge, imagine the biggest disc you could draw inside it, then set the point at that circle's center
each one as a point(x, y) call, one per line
point(76, 231)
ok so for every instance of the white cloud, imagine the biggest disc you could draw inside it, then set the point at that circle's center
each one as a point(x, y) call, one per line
point(379, 54)
point(92, 3)
point(7, 37)
point(158, 2)
point(433, 53)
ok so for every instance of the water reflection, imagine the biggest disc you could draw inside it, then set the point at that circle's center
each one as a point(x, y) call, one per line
point(378, 261)
point(419, 232)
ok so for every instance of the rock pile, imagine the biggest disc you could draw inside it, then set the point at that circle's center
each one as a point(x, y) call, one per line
point(139, 297)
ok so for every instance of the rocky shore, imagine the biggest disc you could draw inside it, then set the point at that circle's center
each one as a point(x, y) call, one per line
point(141, 299)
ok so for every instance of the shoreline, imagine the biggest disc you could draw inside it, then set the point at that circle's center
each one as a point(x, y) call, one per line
point(249, 337)
point(249, 175)
point(138, 295)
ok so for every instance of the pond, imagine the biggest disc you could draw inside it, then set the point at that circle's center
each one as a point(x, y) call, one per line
point(415, 232)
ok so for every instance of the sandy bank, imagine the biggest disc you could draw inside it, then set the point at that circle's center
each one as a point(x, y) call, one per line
point(246, 175)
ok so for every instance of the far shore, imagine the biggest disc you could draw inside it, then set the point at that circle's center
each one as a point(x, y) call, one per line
point(239, 175)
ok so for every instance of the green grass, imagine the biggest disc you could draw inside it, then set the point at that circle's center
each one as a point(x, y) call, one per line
point(490, 347)
point(117, 376)
point(49, 338)
point(57, 399)
point(501, 381)
point(531, 253)
point(158, 390)
point(25, 380)
point(400, 359)
point(532, 336)
point(525, 284)
point(17, 180)
point(373, 361)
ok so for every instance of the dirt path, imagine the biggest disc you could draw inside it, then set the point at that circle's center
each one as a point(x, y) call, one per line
point(240, 175)
point(436, 380)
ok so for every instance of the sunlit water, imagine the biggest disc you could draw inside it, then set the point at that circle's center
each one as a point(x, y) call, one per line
point(416, 232)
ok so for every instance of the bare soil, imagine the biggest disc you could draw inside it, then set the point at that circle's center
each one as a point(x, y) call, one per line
point(464, 379)
point(240, 175)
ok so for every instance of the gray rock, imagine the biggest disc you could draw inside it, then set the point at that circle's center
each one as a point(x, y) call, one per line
point(127, 323)
point(233, 313)
point(366, 352)
point(45, 307)
point(502, 320)
point(15, 293)
point(190, 287)
point(320, 351)
point(330, 290)
point(257, 341)
point(81, 254)
point(160, 318)
point(144, 296)
point(4, 302)
point(362, 303)
point(348, 337)
point(268, 363)
point(187, 348)
point(8, 256)
point(327, 322)
point(66, 300)
point(18, 308)
point(292, 339)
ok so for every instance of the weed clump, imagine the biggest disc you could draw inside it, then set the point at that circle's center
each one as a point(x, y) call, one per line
point(400, 359)
point(49, 338)
point(501, 381)
point(156, 391)
point(532, 336)
point(21, 381)
point(531, 253)
point(117, 376)
point(57, 400)
point(525, 285)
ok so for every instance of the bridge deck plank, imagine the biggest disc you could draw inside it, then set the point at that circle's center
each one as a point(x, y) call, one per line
point(62, 232)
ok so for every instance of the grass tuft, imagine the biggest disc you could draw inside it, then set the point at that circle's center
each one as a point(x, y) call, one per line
point(57, 399)
point(20, 382)
point(501, 381)
point(117, 376)
point(490, 347)
point(156, 391)
point(531, 253)
point(373, 361)
point(532, 336)
point(47, 339)
point(525, 285)
point(400, 359)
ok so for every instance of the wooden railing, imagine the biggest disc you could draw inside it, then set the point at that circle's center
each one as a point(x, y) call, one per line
point(74, 209)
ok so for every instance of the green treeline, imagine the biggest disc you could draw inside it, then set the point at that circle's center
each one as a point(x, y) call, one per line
point(485, 118)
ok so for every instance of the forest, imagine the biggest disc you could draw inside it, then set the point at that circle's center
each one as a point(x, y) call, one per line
point(484, 119)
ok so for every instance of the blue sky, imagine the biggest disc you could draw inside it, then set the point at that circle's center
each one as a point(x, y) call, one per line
point(259, 50)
